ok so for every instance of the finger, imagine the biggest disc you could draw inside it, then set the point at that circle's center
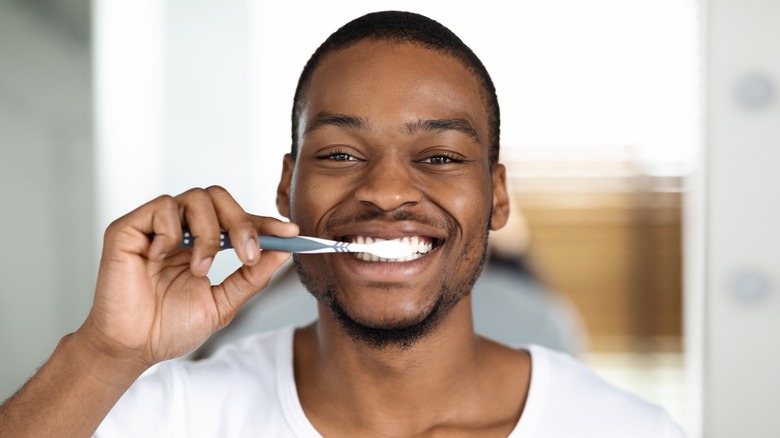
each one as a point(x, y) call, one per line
point(244, 283)
point(131, 232)
point(274, 227)
point(166, 226)
point(238, 223)
point(198, 213)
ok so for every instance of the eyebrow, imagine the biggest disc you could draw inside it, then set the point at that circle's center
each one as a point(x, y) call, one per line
point(423, 125)
point(338, 120)
point(443, 125)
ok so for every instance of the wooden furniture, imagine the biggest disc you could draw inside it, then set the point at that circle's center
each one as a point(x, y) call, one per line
point(610, 239)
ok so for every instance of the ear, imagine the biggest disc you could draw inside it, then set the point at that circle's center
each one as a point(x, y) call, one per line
point(500, 198)
point(283, 191)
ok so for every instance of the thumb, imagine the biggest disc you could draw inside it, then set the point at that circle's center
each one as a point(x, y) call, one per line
point(244, 283)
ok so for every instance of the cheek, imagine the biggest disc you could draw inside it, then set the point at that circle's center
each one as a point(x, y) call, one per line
point(465, 199)
point(310, 199)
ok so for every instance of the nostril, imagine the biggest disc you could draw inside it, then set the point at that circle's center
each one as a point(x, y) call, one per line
point(388, 193)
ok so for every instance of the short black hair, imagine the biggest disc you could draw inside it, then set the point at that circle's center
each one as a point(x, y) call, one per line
point(403, 27)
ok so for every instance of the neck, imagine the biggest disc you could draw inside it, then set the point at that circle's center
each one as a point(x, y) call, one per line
point(451, 342)
point(435, 381)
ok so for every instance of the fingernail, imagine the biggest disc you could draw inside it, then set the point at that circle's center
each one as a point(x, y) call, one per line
point(251, 249)
point(205, 265)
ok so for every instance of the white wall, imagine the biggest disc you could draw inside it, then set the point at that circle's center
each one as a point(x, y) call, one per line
point(207, 132)
point(172, 105)
point(47, 263)
point(742, 265)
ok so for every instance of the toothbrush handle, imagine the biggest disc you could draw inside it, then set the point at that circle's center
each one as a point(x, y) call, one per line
point(188, 241)
point(289, 244)
point(293, 244)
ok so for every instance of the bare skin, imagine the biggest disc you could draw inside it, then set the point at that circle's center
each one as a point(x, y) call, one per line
point(153, 300)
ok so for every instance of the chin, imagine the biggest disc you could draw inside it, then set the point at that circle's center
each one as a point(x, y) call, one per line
point(383, 317)
point(378, 326)
point(389, 332)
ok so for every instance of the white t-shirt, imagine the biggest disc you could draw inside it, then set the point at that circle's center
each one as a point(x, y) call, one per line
point(247, 389)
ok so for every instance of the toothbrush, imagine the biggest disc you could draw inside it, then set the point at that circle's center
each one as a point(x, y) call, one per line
point(388, 249)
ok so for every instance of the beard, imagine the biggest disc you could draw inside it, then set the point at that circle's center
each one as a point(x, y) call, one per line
point(400, 334)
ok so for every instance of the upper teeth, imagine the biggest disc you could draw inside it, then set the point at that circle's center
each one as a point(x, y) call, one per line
point(421, 245)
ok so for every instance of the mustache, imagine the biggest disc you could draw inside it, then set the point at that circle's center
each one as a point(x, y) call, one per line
point(388, 216)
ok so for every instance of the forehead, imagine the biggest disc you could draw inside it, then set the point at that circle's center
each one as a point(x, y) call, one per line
point(388, 82)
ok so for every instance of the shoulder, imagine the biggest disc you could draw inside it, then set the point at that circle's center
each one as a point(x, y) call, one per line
point(214, 394)
point(251, 362)
point(569, 399)
point(241, 358)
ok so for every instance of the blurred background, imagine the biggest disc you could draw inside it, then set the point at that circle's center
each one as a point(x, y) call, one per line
point(642, 140)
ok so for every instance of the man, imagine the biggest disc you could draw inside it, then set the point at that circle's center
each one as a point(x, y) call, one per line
point(395, 135)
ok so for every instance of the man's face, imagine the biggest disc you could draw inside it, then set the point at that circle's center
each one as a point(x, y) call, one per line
point(393, 144)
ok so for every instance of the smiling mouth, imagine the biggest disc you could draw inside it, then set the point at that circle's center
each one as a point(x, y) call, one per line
point(422, 245)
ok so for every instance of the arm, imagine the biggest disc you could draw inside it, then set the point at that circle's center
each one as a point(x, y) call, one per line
point(152, 302)
point(70, 395)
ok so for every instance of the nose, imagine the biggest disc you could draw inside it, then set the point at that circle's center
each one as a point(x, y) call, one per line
point(388, 185)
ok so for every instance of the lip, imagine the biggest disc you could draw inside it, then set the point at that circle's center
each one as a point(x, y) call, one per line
point(388, 231)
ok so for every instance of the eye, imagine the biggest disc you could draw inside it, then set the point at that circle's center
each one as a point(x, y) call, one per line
point(441, 159)
point(337, 156)
point(341, 157)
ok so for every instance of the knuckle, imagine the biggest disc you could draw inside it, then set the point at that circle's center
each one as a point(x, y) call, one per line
point(226, 314)
point(219, 194)
point(240, 230)
point(243, 222)
point(196, 194)
point(216, 190)
point(112, 229)
point(166, 202)
point(210, 241)
point(165, 199)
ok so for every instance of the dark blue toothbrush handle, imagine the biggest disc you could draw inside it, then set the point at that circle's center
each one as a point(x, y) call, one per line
point(187, 241)
point(288, 244)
